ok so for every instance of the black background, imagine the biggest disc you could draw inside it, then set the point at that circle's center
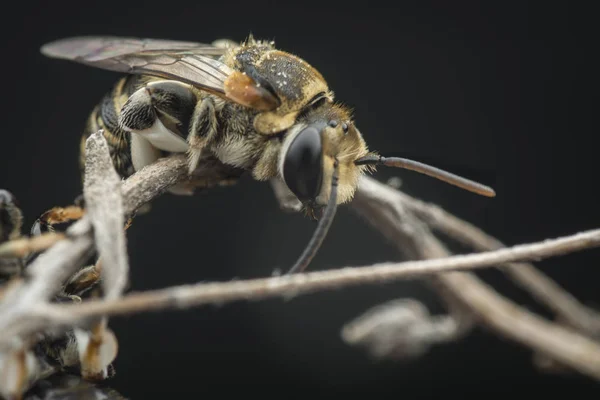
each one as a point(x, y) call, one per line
point(503, 94)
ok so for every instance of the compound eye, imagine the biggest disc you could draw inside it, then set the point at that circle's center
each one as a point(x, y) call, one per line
point(303, 164)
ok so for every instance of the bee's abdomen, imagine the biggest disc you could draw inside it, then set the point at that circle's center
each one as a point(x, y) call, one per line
point(105, 116)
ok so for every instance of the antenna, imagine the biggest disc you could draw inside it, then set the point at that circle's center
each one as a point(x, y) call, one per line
point(425, 169)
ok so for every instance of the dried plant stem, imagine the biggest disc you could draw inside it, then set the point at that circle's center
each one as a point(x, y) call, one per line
point(490, 308)
point(542, 287)
point(104, 205)
point(54, 266)
point(152, 181)
point(568, 347)
point(23, 246)
point(47, 273)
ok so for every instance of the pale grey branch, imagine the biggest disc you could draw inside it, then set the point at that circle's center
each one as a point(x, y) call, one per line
point(53, 267)
point(104, 206)
point(152, 181)
point(46, 275)
point(542, 287)
point(494, 311)
point(568, 347)
point(411, 237)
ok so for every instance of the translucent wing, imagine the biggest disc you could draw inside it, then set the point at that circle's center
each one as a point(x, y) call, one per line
point(194, 63)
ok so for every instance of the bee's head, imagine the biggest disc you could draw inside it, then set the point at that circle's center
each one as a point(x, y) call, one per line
point(322, 137)
point(321, 160)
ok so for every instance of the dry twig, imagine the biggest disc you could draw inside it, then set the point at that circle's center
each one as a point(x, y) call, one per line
point(391, 217)
point(53, 267)
point(561, 344)
point(46, 275)
point(104, 205)
point(543, 288)
point(22, 246)
point(256, 289)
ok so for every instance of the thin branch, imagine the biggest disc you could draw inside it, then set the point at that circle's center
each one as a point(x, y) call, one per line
point(492, 310)
point(22, 246)
point(152, 181)
point(104, 205)
point(414, 240)
point(50, 269)
point(46, 275)
point(56, 264)
point(542, 287)
point(256, 289)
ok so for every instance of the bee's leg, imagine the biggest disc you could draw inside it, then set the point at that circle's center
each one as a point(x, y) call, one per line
point(203, 130)
point(44, 233)
point(66, 298)
point(157, 116)
point(97, 349)
point(82, 281)
point(55, 216)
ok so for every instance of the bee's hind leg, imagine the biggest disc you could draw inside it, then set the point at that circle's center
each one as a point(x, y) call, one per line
point(165, 117)
point(157, 117)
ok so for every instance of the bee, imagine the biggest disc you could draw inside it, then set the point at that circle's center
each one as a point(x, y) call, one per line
point(255, 108)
